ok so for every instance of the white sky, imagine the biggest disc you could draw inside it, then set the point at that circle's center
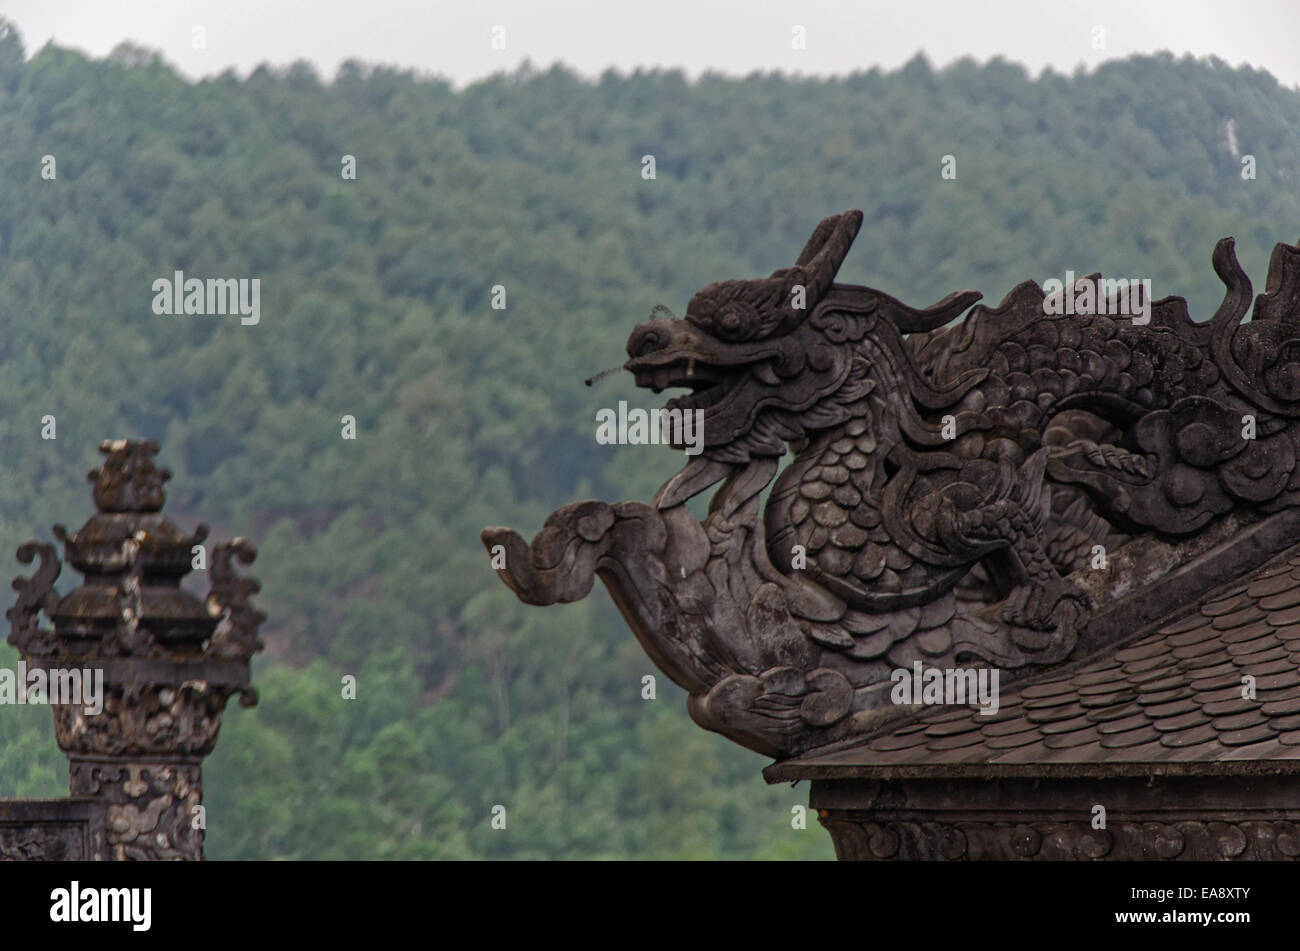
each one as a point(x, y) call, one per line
point(452, 38)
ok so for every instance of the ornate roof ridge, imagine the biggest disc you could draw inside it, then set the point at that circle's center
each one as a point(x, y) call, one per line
point(1014, 491)
point(1169, 697)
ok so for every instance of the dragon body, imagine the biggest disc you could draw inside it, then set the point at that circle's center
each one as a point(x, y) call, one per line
point(950, 479)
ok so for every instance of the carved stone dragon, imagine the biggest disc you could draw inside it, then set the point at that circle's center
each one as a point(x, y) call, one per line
point(950, 481)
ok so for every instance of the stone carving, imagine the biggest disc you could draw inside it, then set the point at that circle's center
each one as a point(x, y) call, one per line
point(145, 719)
point(35, 594)
point(128, 481)
point(169, 661)
point(1198, 840)
point(228, 602)
point(948, 485)
point(150, 807)
point(41, 843)
point(135, 557)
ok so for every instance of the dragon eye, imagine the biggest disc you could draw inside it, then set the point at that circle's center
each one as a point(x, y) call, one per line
point(733, 323)
point(649, 344)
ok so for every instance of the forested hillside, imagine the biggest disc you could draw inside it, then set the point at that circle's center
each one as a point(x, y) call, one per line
point(376, 301)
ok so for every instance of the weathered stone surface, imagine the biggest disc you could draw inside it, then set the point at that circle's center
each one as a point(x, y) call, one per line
point(1243, 813)
point(987, 462)
point(170, 663)
point(48, 830)
point(1177, 694)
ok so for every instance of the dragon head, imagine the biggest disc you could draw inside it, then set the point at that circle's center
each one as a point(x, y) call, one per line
point(771, 359)
point(748, 353)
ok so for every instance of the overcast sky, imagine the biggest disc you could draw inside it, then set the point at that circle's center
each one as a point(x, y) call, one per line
point(453, 38)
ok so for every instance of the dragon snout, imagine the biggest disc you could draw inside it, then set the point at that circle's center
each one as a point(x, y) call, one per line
point(647, 338)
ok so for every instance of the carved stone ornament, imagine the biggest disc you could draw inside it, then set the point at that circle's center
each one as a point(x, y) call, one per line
point(134, 559)
point(951, 480)
point(1056, 841)
point(150, 808)
point(166, 662)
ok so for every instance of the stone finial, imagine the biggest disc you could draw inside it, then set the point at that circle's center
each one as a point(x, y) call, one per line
point(128, 481)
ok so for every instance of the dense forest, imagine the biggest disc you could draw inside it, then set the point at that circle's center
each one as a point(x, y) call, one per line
point(376, 302)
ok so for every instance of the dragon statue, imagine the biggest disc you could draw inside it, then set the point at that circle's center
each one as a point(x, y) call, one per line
point(951, 482)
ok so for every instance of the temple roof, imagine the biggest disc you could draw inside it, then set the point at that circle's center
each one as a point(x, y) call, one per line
point(1168, 701)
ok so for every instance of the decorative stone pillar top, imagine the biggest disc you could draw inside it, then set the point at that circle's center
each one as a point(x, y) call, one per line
point(134, 559)
point(164, 662)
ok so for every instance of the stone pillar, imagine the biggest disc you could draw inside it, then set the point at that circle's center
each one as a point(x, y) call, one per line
point(169, 661)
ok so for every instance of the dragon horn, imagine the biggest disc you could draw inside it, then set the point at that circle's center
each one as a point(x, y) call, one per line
point(821, 268)
point(819, 236)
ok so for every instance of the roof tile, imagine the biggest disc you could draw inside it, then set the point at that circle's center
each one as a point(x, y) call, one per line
point(1170, 696)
